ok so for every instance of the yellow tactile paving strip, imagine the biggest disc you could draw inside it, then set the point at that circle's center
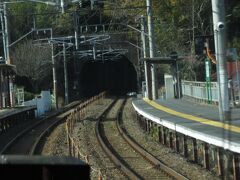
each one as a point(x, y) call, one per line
point(193, 118)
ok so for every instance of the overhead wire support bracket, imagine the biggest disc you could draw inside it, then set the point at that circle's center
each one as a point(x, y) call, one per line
point(21, 38)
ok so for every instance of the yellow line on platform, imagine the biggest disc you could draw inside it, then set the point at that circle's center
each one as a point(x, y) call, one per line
point(193, 118)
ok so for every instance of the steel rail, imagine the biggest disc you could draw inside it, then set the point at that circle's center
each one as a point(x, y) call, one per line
point(127, 171)
point(66, 110)
point(147, 155)
point(130, 173)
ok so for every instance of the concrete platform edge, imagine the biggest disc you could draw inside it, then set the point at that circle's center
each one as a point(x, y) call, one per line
point(225, 144)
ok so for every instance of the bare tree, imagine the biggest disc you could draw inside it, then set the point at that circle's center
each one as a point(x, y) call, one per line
point(202, 16)
point(33, 62)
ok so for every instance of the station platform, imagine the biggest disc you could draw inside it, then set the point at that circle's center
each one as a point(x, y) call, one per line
point(14, 110)
point(200, 121)
point(10, 117)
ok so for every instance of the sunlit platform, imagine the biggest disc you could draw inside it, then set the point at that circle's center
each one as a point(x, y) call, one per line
point(200, 121)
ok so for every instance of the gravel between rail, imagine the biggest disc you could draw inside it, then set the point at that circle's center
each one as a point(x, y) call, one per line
point(129, 156)
point(85, 135)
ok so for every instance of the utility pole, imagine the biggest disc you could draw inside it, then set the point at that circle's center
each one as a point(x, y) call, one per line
point(152, 48)
point(193, 27)
point(6, 49)
point(76, 23)
point(54, 75)
point(146, 66)
point(6, 37)
point(92, 4)
point(65, 74)
point(62, 6)
point(218, 10)
point(94, 51)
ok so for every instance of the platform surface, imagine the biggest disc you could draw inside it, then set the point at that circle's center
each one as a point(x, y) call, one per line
point(196, 120)
point(14, 110)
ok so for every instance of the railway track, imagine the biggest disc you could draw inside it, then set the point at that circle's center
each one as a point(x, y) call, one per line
point(132, 160)
point(30, 139)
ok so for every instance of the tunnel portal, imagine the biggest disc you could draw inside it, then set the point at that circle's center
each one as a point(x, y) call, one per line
point(116, 76)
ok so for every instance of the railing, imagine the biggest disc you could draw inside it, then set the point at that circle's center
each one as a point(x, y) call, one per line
point(200, 91)
point(78, 114)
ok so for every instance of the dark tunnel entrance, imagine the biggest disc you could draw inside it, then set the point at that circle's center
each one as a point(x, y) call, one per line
point(117, 76)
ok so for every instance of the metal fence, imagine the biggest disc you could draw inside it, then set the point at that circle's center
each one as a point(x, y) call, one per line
point(200, 90)
point(77, 115)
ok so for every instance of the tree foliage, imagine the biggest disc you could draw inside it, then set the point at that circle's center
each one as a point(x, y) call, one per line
point(176, 23)
point(33, 62)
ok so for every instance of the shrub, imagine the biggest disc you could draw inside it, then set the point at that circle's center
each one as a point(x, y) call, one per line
point(28, 96)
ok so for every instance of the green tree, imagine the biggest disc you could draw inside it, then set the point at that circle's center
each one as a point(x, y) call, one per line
point(20, 21)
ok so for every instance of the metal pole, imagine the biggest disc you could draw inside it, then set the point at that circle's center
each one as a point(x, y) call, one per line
point(62, 6)
point(218, 9)
point(238, 82)
point(76, 22)
point(145, 55)
point(76, 39)
point(6, 31)
point(54, 76)
point(178, 81)
point(193, 24)
point(7, 55)
point(65, 74)
point(4, 38)
point(92, 4)
point(152, 48)
point(94, 51)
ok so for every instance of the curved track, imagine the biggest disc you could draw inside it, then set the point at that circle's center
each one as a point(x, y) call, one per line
point(132, 160)
point(30, 139)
